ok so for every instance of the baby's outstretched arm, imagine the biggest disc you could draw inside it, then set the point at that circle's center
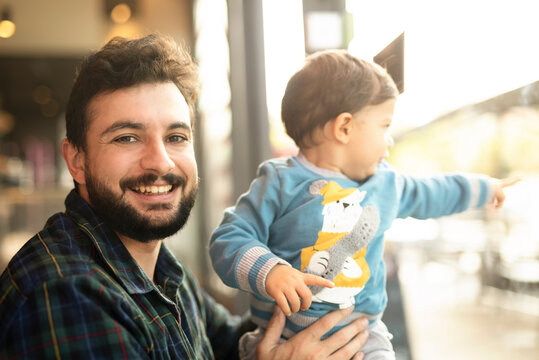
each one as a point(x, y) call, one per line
point(290, 286)
point(499, 194)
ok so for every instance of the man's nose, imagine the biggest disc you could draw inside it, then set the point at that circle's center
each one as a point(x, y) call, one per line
point(156, 158)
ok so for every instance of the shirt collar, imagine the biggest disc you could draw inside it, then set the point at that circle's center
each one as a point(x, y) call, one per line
point(315, 169)
point(169, 272)
point(115, 255)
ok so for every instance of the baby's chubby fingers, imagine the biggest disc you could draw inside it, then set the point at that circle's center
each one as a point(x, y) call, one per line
point(294, 300)
point(509, 181)
point(305, 293)
point(306, 297)
point(282, 302)
point(500, 185)
point(311, 279)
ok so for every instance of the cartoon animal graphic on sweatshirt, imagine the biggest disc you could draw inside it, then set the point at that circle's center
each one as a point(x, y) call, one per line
point(339, 252)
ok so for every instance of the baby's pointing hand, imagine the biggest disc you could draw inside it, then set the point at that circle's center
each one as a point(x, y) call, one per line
point(289, 288)
point(499, 194)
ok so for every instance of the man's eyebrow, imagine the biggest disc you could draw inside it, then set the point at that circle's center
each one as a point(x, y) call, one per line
point(139, 126)
point(180, 125)
point(123, 125)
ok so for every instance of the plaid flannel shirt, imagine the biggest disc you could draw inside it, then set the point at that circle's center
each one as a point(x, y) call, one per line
point(74, 292)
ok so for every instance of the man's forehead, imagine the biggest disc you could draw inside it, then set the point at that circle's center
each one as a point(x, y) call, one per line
point(130, 105)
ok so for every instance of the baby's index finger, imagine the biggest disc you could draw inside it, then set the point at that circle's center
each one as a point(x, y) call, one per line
point(311, 279)
point(510, 181)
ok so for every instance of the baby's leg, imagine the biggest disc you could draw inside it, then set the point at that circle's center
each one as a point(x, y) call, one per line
point(248, 343)
point(378, 346)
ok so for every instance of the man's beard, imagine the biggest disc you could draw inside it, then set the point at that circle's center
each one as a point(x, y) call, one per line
point(126, 220)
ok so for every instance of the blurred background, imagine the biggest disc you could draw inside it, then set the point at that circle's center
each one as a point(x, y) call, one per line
point(460, 287)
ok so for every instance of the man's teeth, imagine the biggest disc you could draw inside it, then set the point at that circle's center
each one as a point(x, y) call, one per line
point(154, 190)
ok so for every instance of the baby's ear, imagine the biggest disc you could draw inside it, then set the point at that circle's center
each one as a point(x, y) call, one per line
point(342, 127)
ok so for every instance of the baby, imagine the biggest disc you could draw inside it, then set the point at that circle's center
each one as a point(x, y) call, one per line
point(308, 235)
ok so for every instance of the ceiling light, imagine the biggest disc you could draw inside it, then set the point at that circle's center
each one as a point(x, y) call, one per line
point(7, 26)
point(121, 13)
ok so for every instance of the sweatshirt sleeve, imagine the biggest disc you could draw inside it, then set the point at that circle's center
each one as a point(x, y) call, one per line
point(437, 196)
point(239, 246)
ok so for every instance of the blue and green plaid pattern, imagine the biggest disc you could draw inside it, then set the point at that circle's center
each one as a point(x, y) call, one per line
point(74, 292)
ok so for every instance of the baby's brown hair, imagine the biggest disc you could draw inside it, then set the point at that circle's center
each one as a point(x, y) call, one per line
point(331, 82)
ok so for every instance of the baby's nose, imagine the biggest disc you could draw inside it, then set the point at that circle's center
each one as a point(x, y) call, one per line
point(389, 141)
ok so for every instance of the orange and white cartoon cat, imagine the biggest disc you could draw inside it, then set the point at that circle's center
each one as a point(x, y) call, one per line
point(339, 252)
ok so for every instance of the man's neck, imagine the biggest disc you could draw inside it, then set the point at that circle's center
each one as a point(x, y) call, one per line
point(144, 253)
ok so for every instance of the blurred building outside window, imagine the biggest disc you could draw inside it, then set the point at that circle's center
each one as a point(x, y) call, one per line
point(471, 103)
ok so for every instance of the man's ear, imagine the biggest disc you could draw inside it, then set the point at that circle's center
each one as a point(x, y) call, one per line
point(342, 127)
point(74, 159)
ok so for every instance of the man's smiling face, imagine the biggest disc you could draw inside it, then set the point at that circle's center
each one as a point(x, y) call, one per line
point(140, 170)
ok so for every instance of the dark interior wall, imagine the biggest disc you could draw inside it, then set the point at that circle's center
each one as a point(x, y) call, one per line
point(34, 90)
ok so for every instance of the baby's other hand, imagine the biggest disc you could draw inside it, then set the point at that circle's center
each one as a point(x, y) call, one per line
point(499, 194)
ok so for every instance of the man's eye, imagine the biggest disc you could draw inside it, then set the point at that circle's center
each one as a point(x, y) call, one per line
point(177, 139)
point(125, 139)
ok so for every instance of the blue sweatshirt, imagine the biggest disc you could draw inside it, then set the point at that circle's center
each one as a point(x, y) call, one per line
point(322, 222)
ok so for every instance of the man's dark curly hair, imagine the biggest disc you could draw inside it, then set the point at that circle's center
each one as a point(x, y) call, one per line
point(124, 63)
